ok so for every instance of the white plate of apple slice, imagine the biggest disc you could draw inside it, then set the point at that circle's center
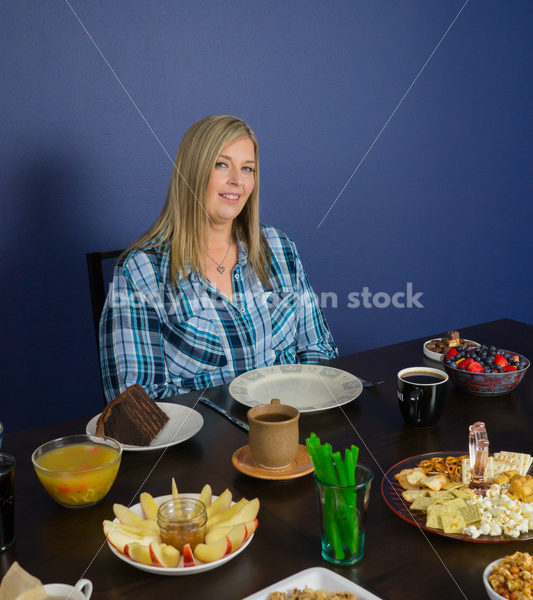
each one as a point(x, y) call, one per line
point(134, 535)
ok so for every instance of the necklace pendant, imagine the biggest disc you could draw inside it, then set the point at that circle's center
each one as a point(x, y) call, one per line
point(221, 269)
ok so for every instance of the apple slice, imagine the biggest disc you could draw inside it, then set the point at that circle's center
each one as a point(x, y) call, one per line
point(128, 517)
point(171, 556)
point(138, 552)
point(175, 494)
point(213, 535)
point(219, 519)
point(119, 536)
point(212, 552)
point(164, 555)
point(245, 530)
point(206, 495)
point(247, 513)
point(188, 556)
point(221, 504)
point(251, 527)
point(132, 530)
point(236, 536)
point(149, 506)
point(118, 539)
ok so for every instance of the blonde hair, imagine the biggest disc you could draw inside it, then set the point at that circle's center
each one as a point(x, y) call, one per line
point(183, 221)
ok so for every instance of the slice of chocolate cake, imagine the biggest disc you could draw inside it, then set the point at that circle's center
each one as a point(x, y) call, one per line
point(132, 418)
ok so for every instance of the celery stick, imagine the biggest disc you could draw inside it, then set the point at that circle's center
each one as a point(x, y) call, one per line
point(327, 461)
point(355, 455)
point(341, 470)
point(350, 467)
point(333, 533)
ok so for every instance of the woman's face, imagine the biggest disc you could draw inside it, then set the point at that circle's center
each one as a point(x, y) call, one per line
point(232, 181)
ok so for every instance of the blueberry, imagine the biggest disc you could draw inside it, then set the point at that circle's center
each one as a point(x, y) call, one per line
point(487, 369)
point(492, 349)
point(499, 368)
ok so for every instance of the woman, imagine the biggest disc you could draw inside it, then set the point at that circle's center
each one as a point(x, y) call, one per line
point(209, 293)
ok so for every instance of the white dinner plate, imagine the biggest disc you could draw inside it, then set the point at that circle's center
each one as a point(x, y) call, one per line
point(316, 578)
point(308, 388)
point(183, 423)
point(180, 569)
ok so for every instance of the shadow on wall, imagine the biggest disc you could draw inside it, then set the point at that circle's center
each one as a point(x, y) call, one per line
point(52, 362)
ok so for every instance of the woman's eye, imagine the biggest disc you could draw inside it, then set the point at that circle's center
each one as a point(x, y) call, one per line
point(220, 164)
point(248, 169)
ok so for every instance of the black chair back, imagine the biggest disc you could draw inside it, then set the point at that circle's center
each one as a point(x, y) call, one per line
point(98, 287)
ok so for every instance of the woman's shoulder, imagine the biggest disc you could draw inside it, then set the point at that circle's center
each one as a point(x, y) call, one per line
point(145, 263)
point(277, 239)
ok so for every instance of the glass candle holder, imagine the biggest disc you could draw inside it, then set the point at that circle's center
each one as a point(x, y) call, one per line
point(182, 521)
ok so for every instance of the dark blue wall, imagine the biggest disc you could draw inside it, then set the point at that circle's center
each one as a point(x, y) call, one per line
point(442, 200)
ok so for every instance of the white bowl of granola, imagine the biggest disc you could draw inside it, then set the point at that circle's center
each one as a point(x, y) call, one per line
point(510, 577)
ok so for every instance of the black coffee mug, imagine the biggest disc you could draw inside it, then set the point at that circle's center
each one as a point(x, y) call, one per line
point(421, 395)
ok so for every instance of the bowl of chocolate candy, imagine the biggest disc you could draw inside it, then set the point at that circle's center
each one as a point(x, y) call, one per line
point(437, 348)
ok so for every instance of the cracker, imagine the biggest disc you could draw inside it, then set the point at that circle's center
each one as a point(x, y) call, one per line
point(403, 472)
point(402, 480)
point(453, 504)
point(415, 476)
point(453, 522)
point(433, 519)
point(422, 503)
point(470, 513)
point(435, 482)
point(440, 494)
point(452, 485)
point(465, 471)
point(412, 495)
point(465, 493)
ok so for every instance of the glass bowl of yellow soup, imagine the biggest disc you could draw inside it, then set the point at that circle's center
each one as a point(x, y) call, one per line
point(77, 470)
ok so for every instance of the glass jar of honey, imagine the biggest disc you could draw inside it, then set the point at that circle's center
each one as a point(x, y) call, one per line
point(182, 521)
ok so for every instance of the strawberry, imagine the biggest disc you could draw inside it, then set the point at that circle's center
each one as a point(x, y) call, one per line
point(451, 352)
point(465, 363)
point(509, 368)
point(474, 367)
point(500, 360)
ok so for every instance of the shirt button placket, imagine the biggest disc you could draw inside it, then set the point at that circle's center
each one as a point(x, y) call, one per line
point(238, 287)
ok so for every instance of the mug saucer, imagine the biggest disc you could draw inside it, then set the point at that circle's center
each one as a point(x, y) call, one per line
point(301, 465)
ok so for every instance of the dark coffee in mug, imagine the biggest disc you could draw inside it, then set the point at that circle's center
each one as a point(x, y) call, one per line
point(423, 378)
point(273, 417)
point(421, 395)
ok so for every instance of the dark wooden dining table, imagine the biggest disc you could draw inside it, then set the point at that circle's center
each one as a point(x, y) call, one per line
point(401, 562)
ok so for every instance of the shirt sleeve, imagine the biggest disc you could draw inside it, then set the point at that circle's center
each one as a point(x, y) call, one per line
point(314, 340)
point(131, 346)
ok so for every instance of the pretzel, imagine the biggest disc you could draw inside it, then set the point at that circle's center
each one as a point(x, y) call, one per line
point(450, 466)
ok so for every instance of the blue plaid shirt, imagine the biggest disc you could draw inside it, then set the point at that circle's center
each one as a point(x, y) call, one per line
point(172, 339)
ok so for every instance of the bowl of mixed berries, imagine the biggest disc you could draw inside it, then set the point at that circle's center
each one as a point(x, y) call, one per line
point(484, 370)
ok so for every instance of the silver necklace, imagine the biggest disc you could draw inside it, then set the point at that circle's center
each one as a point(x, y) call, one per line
point(220, 266)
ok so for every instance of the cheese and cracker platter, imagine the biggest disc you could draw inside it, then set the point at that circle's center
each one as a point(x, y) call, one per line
point(432, 491)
